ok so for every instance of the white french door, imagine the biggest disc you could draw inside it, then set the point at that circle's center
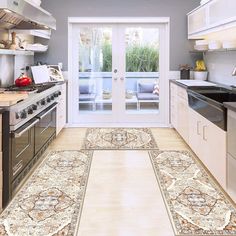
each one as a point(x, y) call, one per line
point(118, 73)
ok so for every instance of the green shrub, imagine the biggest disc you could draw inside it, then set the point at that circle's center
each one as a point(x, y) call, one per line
point(107, 57)
point(138, 58)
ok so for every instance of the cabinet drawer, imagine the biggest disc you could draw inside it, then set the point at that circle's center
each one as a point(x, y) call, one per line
point(181, 92)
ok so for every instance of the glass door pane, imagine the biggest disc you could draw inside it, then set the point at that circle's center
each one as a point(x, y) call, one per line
point(95, 66)
point(142, 70)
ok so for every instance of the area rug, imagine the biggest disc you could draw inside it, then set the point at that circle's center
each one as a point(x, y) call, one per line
point(50, 203)
point(119, 139)
point(196, 204)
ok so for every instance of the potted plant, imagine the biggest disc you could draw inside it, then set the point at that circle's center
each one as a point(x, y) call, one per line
point(200, 71)
point(185, 71)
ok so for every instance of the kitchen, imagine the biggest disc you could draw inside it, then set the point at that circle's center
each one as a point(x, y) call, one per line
point(96, 143)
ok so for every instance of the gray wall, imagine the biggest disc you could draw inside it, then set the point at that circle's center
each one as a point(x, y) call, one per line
point(175, 9)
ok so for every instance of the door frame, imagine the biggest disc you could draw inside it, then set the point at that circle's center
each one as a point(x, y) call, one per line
point(119, 20)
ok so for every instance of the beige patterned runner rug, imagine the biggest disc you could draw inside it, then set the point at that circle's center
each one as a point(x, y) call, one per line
point(196, 205)
point(119, 139)
point(50, 202)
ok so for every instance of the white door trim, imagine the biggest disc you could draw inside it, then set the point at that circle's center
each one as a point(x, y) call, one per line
point(142, 20)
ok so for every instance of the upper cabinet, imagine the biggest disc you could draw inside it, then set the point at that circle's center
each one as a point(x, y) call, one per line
point(197, 20)
point(214, 16)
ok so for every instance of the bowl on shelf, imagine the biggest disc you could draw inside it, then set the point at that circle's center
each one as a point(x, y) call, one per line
point(215, 45)
point(201, 47)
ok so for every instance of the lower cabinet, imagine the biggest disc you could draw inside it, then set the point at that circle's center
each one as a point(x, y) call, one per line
point(209, 143)
point(61, 110)
point(179, 110)
point(1, 172)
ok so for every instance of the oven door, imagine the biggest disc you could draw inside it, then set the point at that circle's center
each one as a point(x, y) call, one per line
point(46, 127)
point(22, 147)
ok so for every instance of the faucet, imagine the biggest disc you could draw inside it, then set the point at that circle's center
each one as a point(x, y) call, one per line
point(234, 72)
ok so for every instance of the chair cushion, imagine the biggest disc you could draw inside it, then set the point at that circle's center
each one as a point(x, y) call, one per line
point(145, 87)
point(87, 97)
point(147, 96)
point(86, 88)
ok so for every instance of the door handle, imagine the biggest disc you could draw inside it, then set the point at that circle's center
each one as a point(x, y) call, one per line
point(115, 78)
point(122, 78)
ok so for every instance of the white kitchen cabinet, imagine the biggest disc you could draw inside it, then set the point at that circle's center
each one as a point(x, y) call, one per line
point(197, 21)
point(209, 143)
point(214, 16)
point(61, 109)
point(179, 110)
point(1, 170)
point(221, 12)
point(231, 154)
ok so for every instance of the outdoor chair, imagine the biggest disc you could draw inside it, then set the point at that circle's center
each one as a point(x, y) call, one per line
point(87, 93)
point(147, 91)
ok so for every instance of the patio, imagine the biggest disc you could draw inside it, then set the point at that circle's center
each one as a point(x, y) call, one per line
point(142, 92)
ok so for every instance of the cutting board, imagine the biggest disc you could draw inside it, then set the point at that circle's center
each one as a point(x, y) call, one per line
point(11, 99)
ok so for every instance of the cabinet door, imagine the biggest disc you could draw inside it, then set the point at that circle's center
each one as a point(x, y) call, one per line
point(197, 20)
point(183, 117)
point(221, 11)
point(195, 134)
point(231, 176)
point(173, 105)
point(214, 151)
point(61, 110)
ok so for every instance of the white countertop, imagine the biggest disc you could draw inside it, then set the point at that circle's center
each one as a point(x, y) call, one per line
point(195, 83)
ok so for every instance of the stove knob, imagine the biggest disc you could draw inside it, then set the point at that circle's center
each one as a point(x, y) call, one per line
point(59, 93)
point(23, 115)
point(52, 97)
point(56, 95)
point(17, 116)
point(48, 100)
point(43, 102)
point(35, 107)
point(30, 111)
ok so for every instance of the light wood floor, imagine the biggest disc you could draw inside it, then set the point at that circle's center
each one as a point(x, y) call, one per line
point(123, 196)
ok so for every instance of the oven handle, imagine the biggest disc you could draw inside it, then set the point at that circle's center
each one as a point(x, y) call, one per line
point(18, 135)
point(47, 111)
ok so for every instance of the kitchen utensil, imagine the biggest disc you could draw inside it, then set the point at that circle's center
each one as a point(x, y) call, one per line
point(13, 44)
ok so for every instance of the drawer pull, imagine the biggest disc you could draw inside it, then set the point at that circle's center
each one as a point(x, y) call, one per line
point(198, 127)
point(204, 133)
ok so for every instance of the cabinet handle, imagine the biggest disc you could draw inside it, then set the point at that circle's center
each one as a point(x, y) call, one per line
point(204, 133)
point(198, 127)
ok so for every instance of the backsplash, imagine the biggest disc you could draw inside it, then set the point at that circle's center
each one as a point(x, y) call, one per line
point(220, 66)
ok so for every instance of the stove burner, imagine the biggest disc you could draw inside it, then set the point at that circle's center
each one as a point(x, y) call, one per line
point(31, 88)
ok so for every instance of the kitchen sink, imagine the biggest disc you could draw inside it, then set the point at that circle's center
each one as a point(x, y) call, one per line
point(208, 101)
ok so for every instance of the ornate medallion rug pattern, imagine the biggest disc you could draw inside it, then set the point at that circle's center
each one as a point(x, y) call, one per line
point(119, 138)
point(50, 202)
point(195, 203)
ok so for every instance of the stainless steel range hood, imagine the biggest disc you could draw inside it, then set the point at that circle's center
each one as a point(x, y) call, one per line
point(20, 14)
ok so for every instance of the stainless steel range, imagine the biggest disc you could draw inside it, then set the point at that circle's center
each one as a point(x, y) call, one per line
point(32, 128)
